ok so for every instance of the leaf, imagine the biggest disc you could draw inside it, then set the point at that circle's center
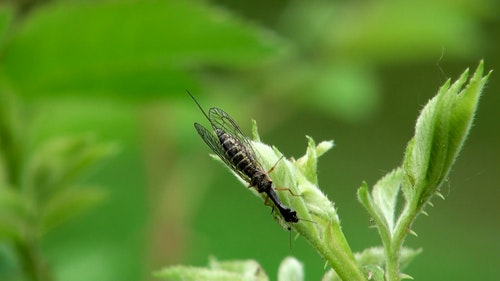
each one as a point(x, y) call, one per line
point(11, 139)
point(373, 259)
point(409, 171)
point(6, 15)
point(366, 199)
point(255, 131)
point(342, 90)
point(407, 256)
point(374, 272)
point(61, 160)
point(133, 49)
point(361, 32)
point(188, 273)
point(11, 230)
point(14, 213)
point(385, 194)
point(4, 177)
point(371, 256)
point(66, 204)
point(245, 270)
point(249, 269)
point(323, 147)
point(308, 164)
point(371, 269)
point(440, 132)
point(291, 270)
point(331, 275)
point(376, 256)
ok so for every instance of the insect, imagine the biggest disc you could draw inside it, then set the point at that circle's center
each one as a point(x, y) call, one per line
point(234, 148)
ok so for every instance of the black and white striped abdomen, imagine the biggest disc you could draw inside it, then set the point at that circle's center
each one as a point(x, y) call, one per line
point(238, 154)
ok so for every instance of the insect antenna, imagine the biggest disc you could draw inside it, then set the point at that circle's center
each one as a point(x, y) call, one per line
point(289, 228)
point(198, 104)
point(275, 164)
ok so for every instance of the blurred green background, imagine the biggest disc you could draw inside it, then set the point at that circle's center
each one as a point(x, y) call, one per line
point(357, 72)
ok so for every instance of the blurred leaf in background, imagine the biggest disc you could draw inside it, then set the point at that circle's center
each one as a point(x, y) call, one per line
point(39, 190)
point(337, 46)
point(128, 48)
point(83, 66)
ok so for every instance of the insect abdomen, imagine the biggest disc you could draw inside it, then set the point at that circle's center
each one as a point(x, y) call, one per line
point(237, 154)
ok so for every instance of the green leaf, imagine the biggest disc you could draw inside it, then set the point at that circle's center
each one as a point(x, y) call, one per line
point(409, 171)
point(371, 256)
point(385, 194)
point(14, 213)
point(4, 174)
point(361, 33)
point(291, 270)
point(372, 260)
point(465, 104)
point(441, 130)
point(405, 276)
point(343, 90)
point(407, 256)
point(60, 161)
point(255, 131)
point(6, 15)
point(323, 147)
point(374, 272)
point(330, 275)
point(376, 256)
point(308, 163)
point(66, 204)
point(130, 48)
point(12, 139)
point(366, 199)
point(245, 270)
point(249, 269)
point(188, 273)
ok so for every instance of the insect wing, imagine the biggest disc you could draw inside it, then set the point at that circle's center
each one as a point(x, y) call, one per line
point(221, 120)
point(213, 142)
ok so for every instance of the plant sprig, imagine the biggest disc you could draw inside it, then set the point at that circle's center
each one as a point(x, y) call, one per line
point(39, 189)
point(440, 132)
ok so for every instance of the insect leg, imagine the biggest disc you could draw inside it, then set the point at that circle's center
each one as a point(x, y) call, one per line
point(287, 189)
point(281, 188)
point(266, 202)
point(275, 164)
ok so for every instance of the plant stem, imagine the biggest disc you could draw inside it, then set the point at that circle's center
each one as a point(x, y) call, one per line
point(338, 254)
point(348, 267)
point(28, 247)
point(32, 263)
point(392, 263)
point(401, 230)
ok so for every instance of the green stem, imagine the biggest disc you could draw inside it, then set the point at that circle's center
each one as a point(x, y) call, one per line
point(392, 262)
point(32, 263)
point(403, 225)
point(392, 256)
point(343, 257)
point(337, 253)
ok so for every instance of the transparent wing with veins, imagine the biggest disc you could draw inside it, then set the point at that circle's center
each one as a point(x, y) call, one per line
point(219, 119)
